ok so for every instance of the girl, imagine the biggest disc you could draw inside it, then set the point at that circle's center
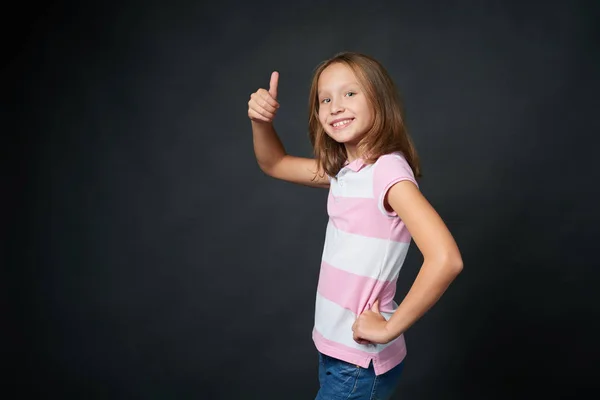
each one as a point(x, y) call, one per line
point(366, 159)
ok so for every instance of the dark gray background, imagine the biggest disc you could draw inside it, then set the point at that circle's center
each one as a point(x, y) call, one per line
point(149, 258)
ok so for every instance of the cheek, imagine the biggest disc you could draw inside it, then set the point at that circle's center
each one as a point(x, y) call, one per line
point(370, 115)
point(371, 118)
point(323, 118)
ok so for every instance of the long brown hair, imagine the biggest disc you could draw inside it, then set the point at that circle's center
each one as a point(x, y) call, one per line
point(388, 133)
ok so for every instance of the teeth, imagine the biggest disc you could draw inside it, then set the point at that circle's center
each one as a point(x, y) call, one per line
point(344, 122)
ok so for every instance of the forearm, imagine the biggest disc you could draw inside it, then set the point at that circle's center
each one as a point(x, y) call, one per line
point(431, 282)
point(268, 148)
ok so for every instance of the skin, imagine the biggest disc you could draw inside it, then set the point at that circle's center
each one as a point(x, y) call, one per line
point(442, 259)
point(270, 153)
point(342, 100)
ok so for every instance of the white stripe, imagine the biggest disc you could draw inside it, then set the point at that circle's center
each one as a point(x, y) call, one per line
point(352, 184)
point(362, 255)
point(335, 324)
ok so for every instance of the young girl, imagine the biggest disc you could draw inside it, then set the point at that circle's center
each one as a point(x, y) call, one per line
point(366, 159)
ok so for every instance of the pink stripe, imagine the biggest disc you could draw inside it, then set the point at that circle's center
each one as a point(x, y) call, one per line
point(391, 356)
point(354, 292)
point(341, 351)
point(383, 361)
point(361, 216)
point(390, 169)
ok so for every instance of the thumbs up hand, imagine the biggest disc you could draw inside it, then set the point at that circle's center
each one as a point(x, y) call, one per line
point(371, 327)
point(263, 104)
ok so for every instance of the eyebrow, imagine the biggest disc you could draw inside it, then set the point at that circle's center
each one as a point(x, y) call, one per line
point(342, 87)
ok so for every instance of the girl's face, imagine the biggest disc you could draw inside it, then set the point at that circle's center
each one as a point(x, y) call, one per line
point(344, 111)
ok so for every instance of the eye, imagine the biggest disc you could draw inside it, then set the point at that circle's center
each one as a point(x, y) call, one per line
point(325, 100)
point(350, 94)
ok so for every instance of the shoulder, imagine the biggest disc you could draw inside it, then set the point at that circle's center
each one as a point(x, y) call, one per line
point(393, 165)
point(388, 170)
point(391, 158)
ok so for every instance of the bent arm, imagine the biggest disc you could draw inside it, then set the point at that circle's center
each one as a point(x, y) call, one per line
point(275, 162)
point(442, 259)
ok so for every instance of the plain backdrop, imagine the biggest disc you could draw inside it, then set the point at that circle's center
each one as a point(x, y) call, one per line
point(148, 257)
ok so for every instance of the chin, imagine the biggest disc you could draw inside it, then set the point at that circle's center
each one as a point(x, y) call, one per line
point(344, 138)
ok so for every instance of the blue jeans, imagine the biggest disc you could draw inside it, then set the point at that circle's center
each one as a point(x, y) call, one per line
point(340, 380)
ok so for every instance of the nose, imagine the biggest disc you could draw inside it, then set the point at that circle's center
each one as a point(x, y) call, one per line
point(336, 106)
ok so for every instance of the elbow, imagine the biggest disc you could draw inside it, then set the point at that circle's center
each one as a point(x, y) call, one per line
point(270, 168)
point(267, 169)
point(449, 264)
point(453, 264)
point(456, 266)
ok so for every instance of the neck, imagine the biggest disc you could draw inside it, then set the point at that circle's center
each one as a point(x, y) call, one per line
point(352, 152)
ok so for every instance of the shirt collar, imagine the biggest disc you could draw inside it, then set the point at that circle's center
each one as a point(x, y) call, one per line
point(355, 165)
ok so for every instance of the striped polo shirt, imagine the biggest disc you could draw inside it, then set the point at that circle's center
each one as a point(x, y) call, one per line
point(365, 247)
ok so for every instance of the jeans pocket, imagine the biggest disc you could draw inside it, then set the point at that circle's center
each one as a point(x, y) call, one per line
point(341, 376)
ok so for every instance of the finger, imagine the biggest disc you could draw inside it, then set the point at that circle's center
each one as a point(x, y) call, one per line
point(266, 101)
point(376, 306)
point(264, 113)
point(257, 109)
point(265, 96)
point(273, 84)
point(257, 117)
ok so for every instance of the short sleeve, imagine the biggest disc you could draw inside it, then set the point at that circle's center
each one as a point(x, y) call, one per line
point(389, 170)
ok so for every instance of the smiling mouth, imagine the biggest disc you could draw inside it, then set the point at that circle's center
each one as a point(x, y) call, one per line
point(342, 124)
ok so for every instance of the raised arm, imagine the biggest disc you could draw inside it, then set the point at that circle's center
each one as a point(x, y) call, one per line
point(270, 152)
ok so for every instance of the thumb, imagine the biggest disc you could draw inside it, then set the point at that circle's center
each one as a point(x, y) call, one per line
point(273, 84)
point(375, 307)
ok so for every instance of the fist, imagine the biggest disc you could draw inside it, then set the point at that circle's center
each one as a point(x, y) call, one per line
point(371, 327)
point(263, 104)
